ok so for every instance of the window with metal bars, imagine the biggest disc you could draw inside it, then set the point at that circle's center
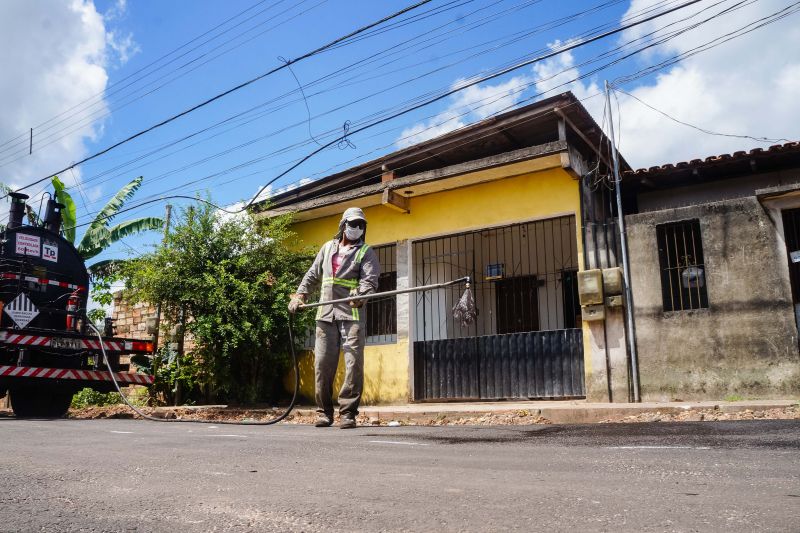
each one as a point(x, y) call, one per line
point(683, 271)
point(381, 313)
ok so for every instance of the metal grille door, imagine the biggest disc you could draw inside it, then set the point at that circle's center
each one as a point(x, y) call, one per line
point(524, 343)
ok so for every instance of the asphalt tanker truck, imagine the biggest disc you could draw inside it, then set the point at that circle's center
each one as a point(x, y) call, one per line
point(47, 349)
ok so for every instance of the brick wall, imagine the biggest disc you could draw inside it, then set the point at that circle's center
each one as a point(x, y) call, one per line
point(131, 318)
point(131, 322)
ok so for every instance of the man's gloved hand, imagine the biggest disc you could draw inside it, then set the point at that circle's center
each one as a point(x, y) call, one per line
point(356, 303)
point(296, 301)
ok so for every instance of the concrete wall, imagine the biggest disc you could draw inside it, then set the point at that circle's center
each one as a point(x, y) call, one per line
point(714, 191)
point(745, 343)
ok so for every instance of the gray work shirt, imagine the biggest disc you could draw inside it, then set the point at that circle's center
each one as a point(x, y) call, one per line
point(358, 270)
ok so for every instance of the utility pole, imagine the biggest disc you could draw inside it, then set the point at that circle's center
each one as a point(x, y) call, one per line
point(167, 218)
point(626, 269)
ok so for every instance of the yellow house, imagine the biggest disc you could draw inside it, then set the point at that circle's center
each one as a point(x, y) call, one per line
point(500, 201)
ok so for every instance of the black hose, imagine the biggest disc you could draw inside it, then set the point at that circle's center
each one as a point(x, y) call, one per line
point(231, 422)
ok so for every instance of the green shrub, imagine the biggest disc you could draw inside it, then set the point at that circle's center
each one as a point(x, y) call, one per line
point(89, 397)
point(230, 278)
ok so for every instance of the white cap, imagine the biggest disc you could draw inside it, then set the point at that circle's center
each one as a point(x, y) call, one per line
point(353, 213)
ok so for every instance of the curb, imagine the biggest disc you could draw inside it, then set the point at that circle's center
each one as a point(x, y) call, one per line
point(573, 414)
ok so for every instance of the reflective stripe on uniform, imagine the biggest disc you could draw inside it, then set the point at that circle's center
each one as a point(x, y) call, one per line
point(361, 252)
point(356, 314)
point(349, 283)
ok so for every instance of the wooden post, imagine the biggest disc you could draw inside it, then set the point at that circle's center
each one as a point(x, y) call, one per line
point(167, 218)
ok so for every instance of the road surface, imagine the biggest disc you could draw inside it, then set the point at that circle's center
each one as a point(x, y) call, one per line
point(126, 475)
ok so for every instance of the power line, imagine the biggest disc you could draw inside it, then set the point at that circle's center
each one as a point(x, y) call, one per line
point(103, 112)
point(240, 115)
point(698, 128)
point(463, 86)
point(312, 53)
point(328, 192)
point(144, 68)
point(561, 50)
point(744, 30)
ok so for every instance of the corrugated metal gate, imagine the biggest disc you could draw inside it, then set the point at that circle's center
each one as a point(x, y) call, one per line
point(537, 364)
point(525, 343)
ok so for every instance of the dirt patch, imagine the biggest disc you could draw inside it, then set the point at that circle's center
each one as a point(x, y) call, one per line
point(710, 415)
point(304, 416)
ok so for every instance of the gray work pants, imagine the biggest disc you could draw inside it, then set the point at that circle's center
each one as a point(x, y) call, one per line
point(347, 336)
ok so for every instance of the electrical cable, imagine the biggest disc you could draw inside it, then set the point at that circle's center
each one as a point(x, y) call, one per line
point(142, 69)
point(103, 112)
point(698, 128)
point(208, 101)
point(550, 25)
point(268, 111)
point(92, 100)
point(561, 50)
point(744, 30)
point(228, 211)
point(365, 179)
point(459, 88)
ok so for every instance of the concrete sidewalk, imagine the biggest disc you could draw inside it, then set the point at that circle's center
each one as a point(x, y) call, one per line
point(559, 412)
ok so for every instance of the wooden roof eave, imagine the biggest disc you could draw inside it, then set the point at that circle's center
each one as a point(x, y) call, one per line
point(514, 163)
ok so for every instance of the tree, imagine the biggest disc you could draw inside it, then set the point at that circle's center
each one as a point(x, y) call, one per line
point(231, 279)
point(99, 234)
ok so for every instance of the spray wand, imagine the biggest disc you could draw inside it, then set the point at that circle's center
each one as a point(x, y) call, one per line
point(464, 311)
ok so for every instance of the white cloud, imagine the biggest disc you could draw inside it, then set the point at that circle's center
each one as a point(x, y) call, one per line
point(478, 102)
point(117, 10)
point(468, 105)
point(556, 75)
point(747, 86)
point(54, 56)
point(123, 45)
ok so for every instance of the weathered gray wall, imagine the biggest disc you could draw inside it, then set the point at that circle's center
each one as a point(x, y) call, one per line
point(745, 343)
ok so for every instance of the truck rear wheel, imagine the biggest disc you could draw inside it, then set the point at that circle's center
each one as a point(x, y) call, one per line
point(32, 403)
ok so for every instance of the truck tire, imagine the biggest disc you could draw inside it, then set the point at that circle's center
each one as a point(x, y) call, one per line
point(32, 403)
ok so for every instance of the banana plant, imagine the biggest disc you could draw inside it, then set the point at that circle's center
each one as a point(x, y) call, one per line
point(100, 234)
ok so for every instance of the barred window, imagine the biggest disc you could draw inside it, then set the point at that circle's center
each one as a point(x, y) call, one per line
point(381, 313)
point(683, 271)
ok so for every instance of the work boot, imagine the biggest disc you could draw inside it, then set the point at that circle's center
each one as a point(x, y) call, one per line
point(347, 422)
point(323, 421)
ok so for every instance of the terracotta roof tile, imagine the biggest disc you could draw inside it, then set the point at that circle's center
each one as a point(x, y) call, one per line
point(741, 154)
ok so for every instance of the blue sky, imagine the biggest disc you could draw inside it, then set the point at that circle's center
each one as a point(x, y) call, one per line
point(112, 51)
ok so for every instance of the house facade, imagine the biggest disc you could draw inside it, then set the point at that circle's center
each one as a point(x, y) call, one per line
point(502, 201)
point(715, 271)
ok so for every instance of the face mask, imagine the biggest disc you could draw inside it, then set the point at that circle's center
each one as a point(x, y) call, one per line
point(353, 234)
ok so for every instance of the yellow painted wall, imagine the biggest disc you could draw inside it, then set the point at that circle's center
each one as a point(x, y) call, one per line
point(385, 374)
point(541, 194)
point(536, 195)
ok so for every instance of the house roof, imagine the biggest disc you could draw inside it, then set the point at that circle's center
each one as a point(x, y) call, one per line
point(759, 160)
point(532, 125)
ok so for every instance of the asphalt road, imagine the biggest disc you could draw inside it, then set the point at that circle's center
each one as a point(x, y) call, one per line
point(125, 475)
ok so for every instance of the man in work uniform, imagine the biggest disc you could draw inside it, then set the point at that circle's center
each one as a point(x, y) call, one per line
point(344, 266)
